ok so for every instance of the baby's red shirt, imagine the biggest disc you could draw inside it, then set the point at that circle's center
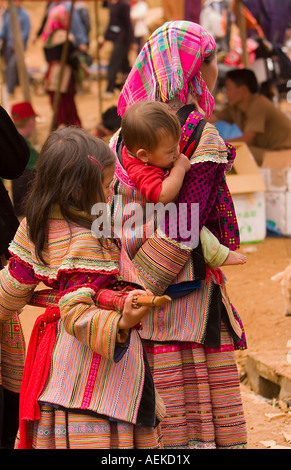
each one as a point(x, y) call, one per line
point(147, 178)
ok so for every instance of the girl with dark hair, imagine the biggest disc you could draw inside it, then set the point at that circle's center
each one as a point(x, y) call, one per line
point(86, 381)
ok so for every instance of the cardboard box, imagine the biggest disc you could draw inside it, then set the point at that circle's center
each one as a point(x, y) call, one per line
point(276, 171)
point(247, 187)
point(245, 177)
point(251, 215)
point(278, 211)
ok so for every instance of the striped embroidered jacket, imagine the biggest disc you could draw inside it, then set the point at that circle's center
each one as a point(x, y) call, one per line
point(83, 370)
point(160, 261)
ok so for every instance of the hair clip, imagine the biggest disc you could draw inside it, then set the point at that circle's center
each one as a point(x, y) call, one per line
point(94, 160)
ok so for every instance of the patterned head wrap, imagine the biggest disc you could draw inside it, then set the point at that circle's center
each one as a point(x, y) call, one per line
point(167, 64)
point(58, 18)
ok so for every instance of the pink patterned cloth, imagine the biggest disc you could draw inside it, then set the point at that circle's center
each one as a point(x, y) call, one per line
point(168, 64)
point(58, 18)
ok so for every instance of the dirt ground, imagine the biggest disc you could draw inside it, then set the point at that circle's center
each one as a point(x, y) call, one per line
point(260, 303)
point(258, 299)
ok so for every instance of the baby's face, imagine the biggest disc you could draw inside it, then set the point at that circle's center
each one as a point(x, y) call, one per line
point(166, 153)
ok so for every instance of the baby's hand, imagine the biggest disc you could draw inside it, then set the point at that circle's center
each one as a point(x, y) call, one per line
point(131, 316)
point(183, 162)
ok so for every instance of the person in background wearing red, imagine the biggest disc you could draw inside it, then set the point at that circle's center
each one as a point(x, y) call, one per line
point(23, 116)
point(54, 36)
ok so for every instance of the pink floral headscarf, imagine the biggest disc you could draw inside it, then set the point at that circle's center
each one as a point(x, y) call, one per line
point(58, 18)
point(167, 64)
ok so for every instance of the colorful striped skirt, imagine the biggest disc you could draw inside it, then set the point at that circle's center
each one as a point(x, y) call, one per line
point(201, 391)
point(59, 429)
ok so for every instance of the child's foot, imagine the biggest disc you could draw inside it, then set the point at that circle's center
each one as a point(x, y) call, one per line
point(235, 258)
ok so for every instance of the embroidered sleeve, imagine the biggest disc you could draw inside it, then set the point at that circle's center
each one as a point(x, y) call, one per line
point(158, 262)
point(93, 326)
point(17, 284)
point(211, 147)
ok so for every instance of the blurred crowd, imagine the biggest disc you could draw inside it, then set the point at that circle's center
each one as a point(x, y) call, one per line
point(126, 28)
point(267, 22)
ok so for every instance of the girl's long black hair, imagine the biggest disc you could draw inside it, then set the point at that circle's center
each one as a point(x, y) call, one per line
point(68, 174)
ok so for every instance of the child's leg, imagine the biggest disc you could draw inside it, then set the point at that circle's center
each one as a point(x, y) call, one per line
point(234, 257)
point(216, 254)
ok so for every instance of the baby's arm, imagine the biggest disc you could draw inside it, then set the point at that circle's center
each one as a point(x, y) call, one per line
point(173, 183)
point(216, 254)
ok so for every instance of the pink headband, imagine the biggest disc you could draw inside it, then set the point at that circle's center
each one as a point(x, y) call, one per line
point(94, 160)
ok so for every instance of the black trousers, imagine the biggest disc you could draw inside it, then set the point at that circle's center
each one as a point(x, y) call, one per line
point(11, 71)
point(118, 63)
point(9, 411)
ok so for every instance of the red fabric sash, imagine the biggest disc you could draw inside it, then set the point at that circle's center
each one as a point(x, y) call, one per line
point(214, 275)
point(36, 370)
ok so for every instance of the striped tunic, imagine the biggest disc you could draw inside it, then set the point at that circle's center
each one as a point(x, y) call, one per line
point(197, 380)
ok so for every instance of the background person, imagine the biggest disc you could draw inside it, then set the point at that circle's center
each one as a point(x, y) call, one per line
point(263, 125)
point(110, 123)
point(23, 116)
point(120, 33)
point(8, 47)
point(54, 36)
point(138, 15)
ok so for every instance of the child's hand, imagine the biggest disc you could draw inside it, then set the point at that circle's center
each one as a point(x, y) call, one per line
point(131, 316)
point(183, 162)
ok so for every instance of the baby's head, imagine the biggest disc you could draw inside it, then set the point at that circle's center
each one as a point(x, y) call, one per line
point(151, 133)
